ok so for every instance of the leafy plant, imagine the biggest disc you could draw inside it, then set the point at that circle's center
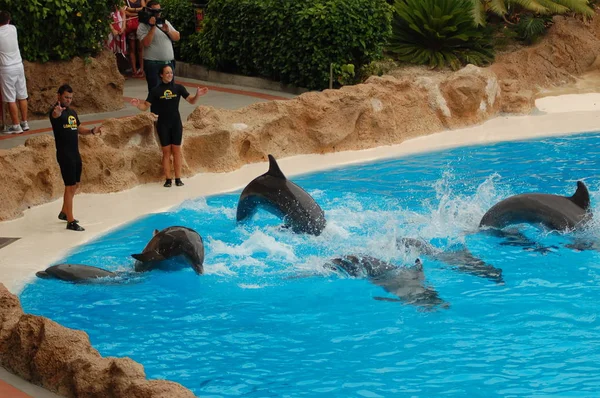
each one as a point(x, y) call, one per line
point(290, 41)
point(438, 33)
point(530, 28)
point(59, 29)
point(544, 7)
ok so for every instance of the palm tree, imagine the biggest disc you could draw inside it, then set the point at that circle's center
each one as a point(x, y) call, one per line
point(501, 7)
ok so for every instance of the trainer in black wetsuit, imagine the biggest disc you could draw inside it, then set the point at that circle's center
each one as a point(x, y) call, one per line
point(163, 101)
point(67, 127)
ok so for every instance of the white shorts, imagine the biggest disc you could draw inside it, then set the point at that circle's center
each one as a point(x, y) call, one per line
point(12, 83)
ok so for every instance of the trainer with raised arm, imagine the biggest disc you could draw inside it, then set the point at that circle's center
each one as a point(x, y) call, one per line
point(67, 127)
point(163, 101)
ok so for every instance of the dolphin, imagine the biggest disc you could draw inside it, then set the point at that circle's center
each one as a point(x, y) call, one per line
point(169, 243)
point(74, 273)
point(405, 283)
point(553, 211)
point(463, 260)
point(278, 195)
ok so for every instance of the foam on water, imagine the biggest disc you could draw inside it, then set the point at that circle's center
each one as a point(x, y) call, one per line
point(267, 319)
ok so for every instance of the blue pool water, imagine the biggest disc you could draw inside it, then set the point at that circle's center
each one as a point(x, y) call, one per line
point(267, 320)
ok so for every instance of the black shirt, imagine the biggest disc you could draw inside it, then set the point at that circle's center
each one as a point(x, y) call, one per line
point(165, 100)
point(65, 133)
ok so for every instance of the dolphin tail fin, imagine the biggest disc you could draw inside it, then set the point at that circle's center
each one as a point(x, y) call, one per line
point(148, 256)
point(582, 196)
point(274, 170)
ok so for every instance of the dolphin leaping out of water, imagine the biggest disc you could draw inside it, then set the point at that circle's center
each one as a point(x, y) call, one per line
point(278, 195)
point(405, 283)
point(74, 273)
point(553, 211)
point(169, 243)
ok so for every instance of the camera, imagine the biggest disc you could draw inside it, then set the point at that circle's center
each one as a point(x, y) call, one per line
point(147, 13)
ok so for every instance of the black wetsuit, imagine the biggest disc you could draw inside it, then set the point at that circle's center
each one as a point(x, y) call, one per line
point(67, 145)
point(165, 103)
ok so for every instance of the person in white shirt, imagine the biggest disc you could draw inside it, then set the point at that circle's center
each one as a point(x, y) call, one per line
point(12, 75)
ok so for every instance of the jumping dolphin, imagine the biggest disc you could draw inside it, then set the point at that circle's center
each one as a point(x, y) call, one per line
point(463, 260)
point(405, 283)
point(553, 211)
point(74, 273)
point(278, 195)
point(169, 243)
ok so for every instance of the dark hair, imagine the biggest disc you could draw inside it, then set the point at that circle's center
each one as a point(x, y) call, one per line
point(162, 69)
point(4, 17)
point(152, 3)
point(63, 88)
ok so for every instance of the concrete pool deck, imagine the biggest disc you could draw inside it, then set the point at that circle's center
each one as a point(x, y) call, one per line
point(43, 239)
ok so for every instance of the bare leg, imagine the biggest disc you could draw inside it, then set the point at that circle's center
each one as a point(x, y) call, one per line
point(166, 160)
point(14, 112)
point(67, 207)
point(132, 56)
point(177, 159)
point(23, 108)
point(141, 57)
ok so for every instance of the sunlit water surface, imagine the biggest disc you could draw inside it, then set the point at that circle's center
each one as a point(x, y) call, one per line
point(267, 320)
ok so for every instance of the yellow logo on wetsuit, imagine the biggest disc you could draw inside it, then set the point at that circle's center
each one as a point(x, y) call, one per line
point(71, 123)
point(168, 94)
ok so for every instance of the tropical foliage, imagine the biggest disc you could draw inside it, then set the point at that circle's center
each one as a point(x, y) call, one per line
point(294, 41)
point(439, 33)
point(59, 29)
point(545, 7)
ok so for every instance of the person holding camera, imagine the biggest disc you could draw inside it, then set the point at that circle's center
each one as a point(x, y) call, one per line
point(157, 36)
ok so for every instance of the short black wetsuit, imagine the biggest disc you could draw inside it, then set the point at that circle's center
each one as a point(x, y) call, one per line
point(67, 145)
point(165, 103)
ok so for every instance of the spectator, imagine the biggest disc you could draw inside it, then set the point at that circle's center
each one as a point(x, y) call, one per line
point(117, 40)
point(164, 102)
point(156, 35)
point(135, 47)
point(66, 127)
point(12, 75)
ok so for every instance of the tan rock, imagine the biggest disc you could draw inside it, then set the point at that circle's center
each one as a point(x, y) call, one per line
point(96, 82)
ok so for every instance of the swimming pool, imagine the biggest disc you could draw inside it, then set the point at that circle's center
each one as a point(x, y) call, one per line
point(267, 320)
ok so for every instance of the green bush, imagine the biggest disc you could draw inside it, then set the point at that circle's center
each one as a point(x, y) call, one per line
point(59, 29)
point(439, 33)
point(529, 27)
point(291, 41)
point(182, 15)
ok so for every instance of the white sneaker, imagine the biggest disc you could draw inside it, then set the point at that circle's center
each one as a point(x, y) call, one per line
point(25, 125)
point(16, 129)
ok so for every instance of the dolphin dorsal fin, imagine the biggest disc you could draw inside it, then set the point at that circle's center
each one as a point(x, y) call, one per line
point(274, 170)
point(581, 197)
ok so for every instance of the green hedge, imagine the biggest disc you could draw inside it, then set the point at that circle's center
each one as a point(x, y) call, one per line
point(181, 14)
point(59, 29)
point(292, 41)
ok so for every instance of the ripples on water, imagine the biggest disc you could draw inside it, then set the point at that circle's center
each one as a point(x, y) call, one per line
point(267, 320)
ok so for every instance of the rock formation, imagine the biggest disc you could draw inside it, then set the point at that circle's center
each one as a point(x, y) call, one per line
point(97, 84)
point(62, 360)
